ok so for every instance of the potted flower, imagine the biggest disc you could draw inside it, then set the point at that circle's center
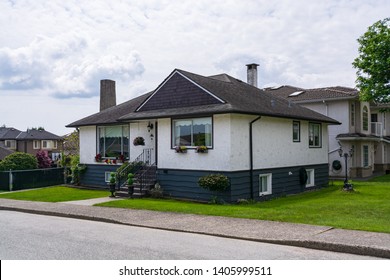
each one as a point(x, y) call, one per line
point(130, 181)
point(139, 141)
point(122, 158)
point(98, 158)
point(112, 183)
point(181, 149)
point(201, 149)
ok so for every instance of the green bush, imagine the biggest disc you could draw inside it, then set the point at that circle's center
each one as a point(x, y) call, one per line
point(112, 178)
point(157, 191)
point(214, 182)
point(18, 161)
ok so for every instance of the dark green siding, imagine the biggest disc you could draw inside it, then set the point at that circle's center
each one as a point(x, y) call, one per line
point(94, 175)
point(184, 183)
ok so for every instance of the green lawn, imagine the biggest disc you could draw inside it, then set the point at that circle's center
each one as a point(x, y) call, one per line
point(367, 208)
point(55, 194)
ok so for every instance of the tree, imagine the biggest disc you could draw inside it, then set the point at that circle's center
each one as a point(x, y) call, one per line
point(373, 63)
point(18, 161)
point(71, 143)
point(44, 161)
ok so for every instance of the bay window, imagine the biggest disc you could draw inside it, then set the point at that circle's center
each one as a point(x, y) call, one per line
point(113, 141)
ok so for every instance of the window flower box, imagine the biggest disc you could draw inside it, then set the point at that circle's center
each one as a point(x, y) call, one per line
point(201, 149)
point(98, 158)
point(181, 149)
point(122, 158)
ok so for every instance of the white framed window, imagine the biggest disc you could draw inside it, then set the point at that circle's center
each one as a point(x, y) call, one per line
point(352, 114)
point(265, 184)
point(315, 135)
point(310, 178)
point(55, 144)
point(296, 131)
point(113, 141)
point(10, 144)
point(366, 161)
point(36, 144)
point(44, 144)
point(192, 132)
point(107, 176)
point(365, 118)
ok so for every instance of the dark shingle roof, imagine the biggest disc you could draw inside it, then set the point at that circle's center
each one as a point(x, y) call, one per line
point(314, 94)
point(8, 133)
point(4, 152)
point(35, 134)
point(111, 115)
point(236, 97)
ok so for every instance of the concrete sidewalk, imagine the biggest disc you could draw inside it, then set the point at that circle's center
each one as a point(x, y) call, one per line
point(315, 237)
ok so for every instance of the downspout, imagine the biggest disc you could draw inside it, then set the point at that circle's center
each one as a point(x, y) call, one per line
point(251, 154)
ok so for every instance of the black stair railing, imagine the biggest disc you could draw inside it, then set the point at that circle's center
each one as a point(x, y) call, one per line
point(141, 167)
point(147, 177)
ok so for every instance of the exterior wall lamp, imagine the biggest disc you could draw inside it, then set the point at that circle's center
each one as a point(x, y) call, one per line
point(150, 126)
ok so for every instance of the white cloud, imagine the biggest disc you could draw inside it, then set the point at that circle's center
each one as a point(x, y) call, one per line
point(68, 65)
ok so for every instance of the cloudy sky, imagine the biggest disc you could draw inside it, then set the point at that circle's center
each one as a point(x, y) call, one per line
point(54, 53)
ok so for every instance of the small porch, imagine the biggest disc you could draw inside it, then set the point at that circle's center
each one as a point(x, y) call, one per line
point(144, 169)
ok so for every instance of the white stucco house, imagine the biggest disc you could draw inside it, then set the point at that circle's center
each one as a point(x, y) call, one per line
point(262, 142)
point(364, 131)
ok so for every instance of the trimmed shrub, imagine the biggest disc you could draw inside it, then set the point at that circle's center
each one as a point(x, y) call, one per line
point(18, 161)
point(214, 182)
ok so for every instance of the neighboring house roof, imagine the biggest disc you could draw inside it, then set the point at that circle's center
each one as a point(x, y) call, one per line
point(8, 133)
point(35, 134)
point(357, 136)
point(4, 152)
point(184, 94)
point(301, 95)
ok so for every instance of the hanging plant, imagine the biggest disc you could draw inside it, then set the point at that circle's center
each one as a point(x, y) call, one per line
point(139, 141)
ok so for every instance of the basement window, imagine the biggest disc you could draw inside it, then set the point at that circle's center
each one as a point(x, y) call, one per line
point(265, 184)
point(310, 178)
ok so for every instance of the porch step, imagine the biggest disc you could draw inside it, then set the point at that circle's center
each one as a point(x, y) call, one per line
point(137, 192)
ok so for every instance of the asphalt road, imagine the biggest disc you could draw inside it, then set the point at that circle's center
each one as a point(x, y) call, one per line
point(29, 236)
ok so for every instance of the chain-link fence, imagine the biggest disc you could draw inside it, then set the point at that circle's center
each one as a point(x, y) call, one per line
point(27, 179)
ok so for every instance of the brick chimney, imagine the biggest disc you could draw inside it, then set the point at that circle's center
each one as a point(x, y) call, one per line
point(107, 94)
point(252, 74)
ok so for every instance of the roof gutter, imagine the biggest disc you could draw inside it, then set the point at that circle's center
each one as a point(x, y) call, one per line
point(251, 154)
point(324, 99)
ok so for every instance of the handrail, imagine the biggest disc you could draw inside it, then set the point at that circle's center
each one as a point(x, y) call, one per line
point(146, 175)
point(136, 166)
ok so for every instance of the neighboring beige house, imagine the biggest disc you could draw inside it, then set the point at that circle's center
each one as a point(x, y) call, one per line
point(365, 129)
point(31, 141)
